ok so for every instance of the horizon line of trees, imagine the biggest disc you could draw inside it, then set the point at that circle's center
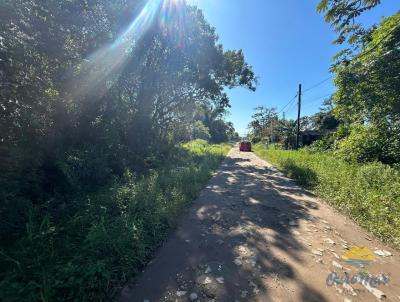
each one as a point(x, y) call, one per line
point(266, 126)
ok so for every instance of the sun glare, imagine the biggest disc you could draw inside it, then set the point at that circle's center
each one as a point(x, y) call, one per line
point(108, 62)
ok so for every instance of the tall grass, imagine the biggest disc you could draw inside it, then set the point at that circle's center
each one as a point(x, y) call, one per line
point(369, 193)
point(107, 237)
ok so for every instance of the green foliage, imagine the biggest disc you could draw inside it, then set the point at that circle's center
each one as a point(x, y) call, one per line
point(369, 193)
point(324, 144)
point(103, 239)
point(263, 123)
point(85, 95)
point(367, 97)
point(367, 143)
point(362, 145)
point(266, 126)
point(92, 98)
point(221, 131)
point(368, 88)
point(213, 118)
point(331, 141)
point(366, 102)
point(324, 120)
point(342, 15)
point(200, 131)
point(287, 131)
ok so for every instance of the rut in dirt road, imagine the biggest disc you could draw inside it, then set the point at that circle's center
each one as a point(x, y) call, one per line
point(253, 235)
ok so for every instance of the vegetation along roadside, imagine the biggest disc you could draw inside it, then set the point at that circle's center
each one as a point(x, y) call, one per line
point(368, 192)
point(108, 236)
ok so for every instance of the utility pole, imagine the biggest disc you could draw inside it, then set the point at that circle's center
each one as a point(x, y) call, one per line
point(272, 130)
point(298, 118)
point(283, 115)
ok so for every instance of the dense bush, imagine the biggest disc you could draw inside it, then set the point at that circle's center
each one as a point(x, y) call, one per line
point(326, 143)
point(90, 89)
point(97, 241)
point(91, 93)
point(368, 143)
point(369, 193)
point(362, 145)
point(200, 131)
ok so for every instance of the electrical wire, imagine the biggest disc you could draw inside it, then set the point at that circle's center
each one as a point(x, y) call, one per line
point(377, 44)
point(291, 107)
point(311, 101)
point(317, 84)
point(330, 77)
point(288, 103)
point(356, 58)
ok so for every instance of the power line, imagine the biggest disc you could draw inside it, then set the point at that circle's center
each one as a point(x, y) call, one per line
point(298, 118)
point(330, 77)
point(292, 104)
point(376, 45)
point(356, 57)
point(291, 107)
point(288, 103)
point(318, 98)
point(317, 84)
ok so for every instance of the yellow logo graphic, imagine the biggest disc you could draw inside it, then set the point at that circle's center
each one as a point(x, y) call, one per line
point(358, 256)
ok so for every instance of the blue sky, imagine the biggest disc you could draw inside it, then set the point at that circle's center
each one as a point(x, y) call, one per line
point(287, 42)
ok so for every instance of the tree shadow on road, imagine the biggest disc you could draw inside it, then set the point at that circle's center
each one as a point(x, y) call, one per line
point(238, 236)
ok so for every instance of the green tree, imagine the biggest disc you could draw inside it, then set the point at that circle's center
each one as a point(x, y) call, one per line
point(263, 123)
point(366, 101)
point(368, 90)
point(343, 14)
point(92, 89)
point(324, 120)
point(200, 131)
point(287, 131)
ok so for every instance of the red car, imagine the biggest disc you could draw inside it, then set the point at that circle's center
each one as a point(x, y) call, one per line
point(245, 146)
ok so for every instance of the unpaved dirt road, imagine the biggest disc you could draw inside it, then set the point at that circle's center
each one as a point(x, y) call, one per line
point(253, 235)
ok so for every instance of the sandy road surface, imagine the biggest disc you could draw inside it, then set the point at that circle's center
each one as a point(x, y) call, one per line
point(253, 235)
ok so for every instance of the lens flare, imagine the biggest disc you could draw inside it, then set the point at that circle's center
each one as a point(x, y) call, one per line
point(97, 72)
